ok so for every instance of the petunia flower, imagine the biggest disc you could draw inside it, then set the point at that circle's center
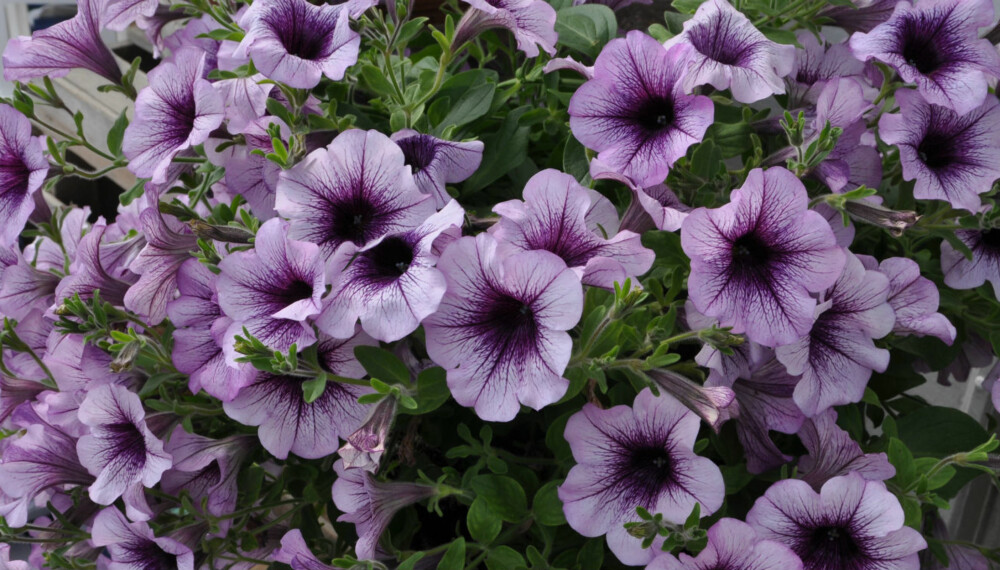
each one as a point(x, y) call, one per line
point(634, 112)
point(120, 450)
point(568, 63)
point(177, 111)
point(832, 453)
point(710, 403)
point(169, 244)
point(391, 284)
point(816, 64)
point(207, 469)
point(755, 261)
point(951, 157)
point(936, 44)
point(296, 554)
point(38, 462)
point(860, 15)
point(370, 504)
point(763, 402)
point(850, 524)
point(133, 546)
point(97, 268)
point(575, 223)
point(652, 207)
point(437, 162)
point(363, 449)
point(288, 423)
point(531, 21)
point(730, 53)
point(55, 51)
point(639, 456)
point(500, 331)
point(960, 273)
point(297, 43)
point(356, 190)
point(272, 289)
point(7, 564)
point(851, 163)
point(23, 168)
point(913, 298)
point(119, 14)
point(733, 545)
point(837, 357)
point(253, 176)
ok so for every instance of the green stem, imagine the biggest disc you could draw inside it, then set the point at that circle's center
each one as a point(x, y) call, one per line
point(73, 139)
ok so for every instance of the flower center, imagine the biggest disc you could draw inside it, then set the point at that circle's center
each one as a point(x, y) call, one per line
point(390, 258)
point(648, 469)
point(936, 151)
point(352, 221)
point(918, 47)
point(655, 114)
point(718, 40)
point(418, 151)
point(830, 547)
point(149, 556)
point(296, 290)
point(749, 251)
point(301, 34)
point(513, 323)
point(14, 177)
point(991, 239)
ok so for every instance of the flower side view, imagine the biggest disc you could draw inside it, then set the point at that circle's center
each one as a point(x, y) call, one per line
point(500, 330)
point(634, 112)
point(755, 261)
point(531, 21)
point(23, 168)
point(638, 456)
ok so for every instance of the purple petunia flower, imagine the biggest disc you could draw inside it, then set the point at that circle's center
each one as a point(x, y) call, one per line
point(836, 358)
point(960, 273)
point(531, 21)
point(568, 63)
point(832, 453)
point(356, 190)
point(207, 469)
point(629, 457)
point(23, 168)
point(97, 267)
point(7, 564)
point(120, 450)
point(651, 207)
point(176, 111)
point(763, 403)
point(133, 546)
point(936, 44)
point(913, 298)
point(634, 113)
point(575, 223)
point(391, 284)
point(860, 15)
point(755, 261)
point(730, 53)
point(852, 163)
point(851, 524)
point(296, 554)
point(37, 463)
point(308, 429)
point(272, 289)
point(297, 43)
point(370, 504)
point(814, 65)
point(119, 14)
point(169, 244)
point(951, 157)
point(436, 162)
point(501, 329)
point(253, 176)
point(733, 545)
point(55, 51)
point(710, 403)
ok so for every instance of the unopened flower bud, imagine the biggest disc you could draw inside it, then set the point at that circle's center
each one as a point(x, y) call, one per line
point(228, 234)
point(894, 221)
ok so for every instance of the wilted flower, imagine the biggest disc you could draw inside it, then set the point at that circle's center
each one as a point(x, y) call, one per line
point(634, 111)
point(952, 157)
point(639, 456)
point(733, 545)
point(851, 524)
point(836, 358)
point(501, 329)
point(936, 44)
point(55, 51)
point(755, 261)
point(575, 223)
point(370, 504)
point(730, 53)
point(364, 448)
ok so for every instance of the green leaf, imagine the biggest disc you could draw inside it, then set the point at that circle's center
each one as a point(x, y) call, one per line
point(659, 32)
point(504, 150)
point(504, 558)
point(687, 6)
point(547, 507)
point(586, 28)
point(591, 556)
point(706, 160)
point(472, 105)
point(432, 391)
point(484, 525)
point(117, 133)
point(382, 364)
point(411, 562)
point(911, 511)
point(454, 557)
point(575, 161)
point(377, 81)
point(902, 460)
point(936, 431)
point(503, 494)
point(313, 388)
point(939, 479)
point(731, 139)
